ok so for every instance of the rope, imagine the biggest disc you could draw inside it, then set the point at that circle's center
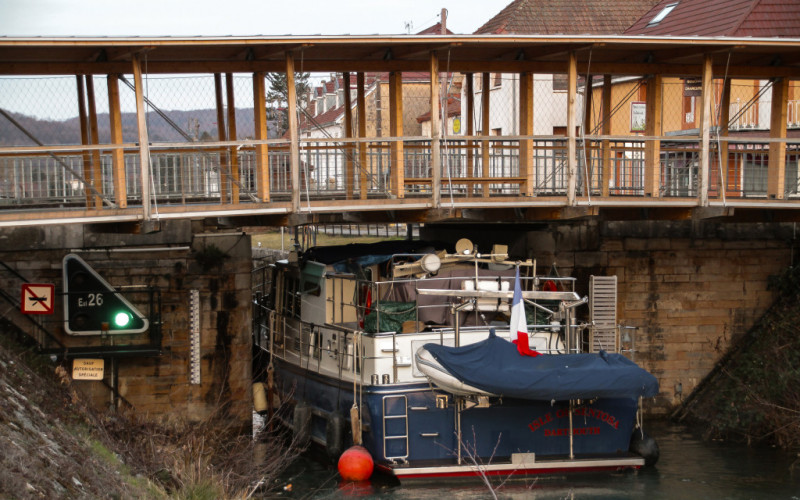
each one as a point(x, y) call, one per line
point(355, 417)
point(722, 174)
point(587, 87)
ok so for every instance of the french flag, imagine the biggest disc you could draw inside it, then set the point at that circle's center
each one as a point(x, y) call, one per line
point(519, 323)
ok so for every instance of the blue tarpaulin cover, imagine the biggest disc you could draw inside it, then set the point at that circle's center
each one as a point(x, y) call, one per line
point(495, 366)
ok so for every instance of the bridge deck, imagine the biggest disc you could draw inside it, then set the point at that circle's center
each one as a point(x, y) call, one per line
point(638, 142)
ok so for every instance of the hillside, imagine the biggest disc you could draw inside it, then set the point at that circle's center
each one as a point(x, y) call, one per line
point(51, 448)
point(199, 123)
point(55, 446)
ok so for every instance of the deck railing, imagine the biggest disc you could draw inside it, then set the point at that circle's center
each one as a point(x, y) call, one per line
point(333, 170)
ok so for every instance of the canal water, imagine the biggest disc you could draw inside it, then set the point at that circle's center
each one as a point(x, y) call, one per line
point(689, 468)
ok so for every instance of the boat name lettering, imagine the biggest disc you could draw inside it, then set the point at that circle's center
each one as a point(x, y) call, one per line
point(548, 417)
point(578, 431)
point(583, 412)
point(591, 412)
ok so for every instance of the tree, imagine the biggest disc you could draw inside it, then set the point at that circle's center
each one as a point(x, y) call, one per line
point(278, 97)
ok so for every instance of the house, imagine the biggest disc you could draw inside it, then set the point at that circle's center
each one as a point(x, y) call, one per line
point(547, 17)
point(750, 101)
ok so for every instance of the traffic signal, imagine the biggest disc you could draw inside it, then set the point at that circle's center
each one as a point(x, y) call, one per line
point(92, 306)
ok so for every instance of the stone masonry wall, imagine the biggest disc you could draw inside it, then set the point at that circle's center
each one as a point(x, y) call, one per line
point(174, 261)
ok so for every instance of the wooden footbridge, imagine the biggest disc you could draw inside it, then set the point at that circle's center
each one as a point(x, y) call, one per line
point(505, 128)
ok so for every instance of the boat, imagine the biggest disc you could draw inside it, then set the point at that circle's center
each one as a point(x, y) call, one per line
point(442, 361)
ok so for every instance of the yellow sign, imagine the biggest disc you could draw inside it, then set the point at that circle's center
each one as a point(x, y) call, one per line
point(456, 125)
point(87, 369)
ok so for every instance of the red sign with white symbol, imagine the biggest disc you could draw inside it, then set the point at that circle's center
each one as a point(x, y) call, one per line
point(37, 298)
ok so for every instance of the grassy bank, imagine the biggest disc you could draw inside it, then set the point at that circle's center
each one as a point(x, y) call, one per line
point(55, 446)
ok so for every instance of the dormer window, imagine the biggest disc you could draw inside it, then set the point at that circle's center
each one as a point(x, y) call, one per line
point(664, 13)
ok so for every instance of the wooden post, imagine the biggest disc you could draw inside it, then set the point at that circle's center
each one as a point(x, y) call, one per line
point(776, 169)
point(396, 126)
point(606, 130)
point(349, 176)
point(470, 119)
point(572, 92)
point(436, 132)
point(294, 135)
point(526, 129)
point(222, 136)
point(653, 128)
point(362, 133)
point(705, 130)
point(144, 140)
point(117, 155)
point(260, 130)
point(233, 160)
point(84, 123)
point(724, 118)
point(485, 132)
point(97, 166)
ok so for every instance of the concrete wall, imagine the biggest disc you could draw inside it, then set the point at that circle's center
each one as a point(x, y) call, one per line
point(689, 288)
point(168, 262)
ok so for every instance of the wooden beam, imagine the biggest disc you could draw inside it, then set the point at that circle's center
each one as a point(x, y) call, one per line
point(572, 161)
point(349, 176)
point(396, 130)
point(97, 166)
point(83, 119)
point(606, 130)
point(294, 135)
point(653, 128)
point(144, 140)
point(485, 124)
point(222, 136)
point(355, 64)
point(115, 130)
point(261, 133)
point(233, 159)
point(470, 119)
point(776, 169)
point(436, 132)
point(705, 130)
point(361, 103)
point(526, 129)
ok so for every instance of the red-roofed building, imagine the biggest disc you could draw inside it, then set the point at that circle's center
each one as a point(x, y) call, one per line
point(734, 18)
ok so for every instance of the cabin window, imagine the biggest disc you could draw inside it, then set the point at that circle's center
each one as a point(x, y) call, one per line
point(291, 296)
point(316, 348)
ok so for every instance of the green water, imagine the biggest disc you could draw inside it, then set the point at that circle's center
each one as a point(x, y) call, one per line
point(689, 468)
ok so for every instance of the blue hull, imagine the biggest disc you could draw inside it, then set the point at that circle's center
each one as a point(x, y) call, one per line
point(413, 425)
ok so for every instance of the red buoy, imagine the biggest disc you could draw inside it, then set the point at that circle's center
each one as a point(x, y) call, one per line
point(355, 464)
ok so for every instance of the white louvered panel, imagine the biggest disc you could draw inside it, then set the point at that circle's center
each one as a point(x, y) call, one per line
point(603, 310)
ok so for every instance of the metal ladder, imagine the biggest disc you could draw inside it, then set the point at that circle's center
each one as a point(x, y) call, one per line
point(395, 413)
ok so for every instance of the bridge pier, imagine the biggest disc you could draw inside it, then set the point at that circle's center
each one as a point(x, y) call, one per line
point(181, 257)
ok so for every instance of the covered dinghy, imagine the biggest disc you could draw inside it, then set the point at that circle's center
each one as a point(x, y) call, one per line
point(495, 367)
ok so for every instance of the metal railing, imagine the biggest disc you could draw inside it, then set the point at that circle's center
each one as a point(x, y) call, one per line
point(187, 176)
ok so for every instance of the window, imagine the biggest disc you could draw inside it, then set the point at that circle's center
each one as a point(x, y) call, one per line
point(661, 15)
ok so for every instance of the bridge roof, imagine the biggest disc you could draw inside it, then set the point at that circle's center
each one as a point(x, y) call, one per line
point(466, 53)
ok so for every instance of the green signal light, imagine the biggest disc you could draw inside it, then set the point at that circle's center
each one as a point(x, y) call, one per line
point(122, 319)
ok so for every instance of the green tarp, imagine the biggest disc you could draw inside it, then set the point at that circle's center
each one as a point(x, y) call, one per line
point(392, 315)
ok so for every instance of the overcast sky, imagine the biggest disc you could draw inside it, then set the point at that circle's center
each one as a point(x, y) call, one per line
point(238, 17)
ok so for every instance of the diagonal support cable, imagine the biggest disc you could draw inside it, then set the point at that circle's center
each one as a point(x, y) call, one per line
point(61, 162)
